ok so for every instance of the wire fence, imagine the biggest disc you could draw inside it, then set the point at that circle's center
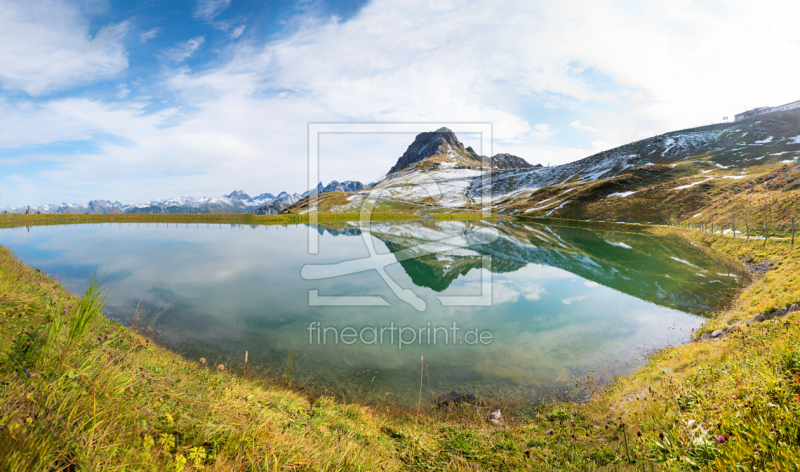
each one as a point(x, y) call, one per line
point(745, 230)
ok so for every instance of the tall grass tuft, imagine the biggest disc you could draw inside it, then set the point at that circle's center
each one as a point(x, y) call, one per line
point(89, 306)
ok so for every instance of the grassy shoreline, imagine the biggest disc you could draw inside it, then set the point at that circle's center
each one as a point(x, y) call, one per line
point(16, 220)
point(119, 401)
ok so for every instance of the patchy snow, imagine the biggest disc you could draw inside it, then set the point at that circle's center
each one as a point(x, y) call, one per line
point(692, 185)
point(734, 176)
point(618, 244)
point(764, 141)
point(707, 171)
point(445, 187)
point(547, 200)
point(695, 216)
point(622, 194)
point(720, 165)
point(556, 208)
point(685, 262)
point(795, 140)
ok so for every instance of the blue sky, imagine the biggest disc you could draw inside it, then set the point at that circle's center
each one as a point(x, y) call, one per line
point(132, 101)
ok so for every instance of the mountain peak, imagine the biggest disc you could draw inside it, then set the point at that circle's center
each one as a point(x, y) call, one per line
point(429, 144)
point(239, 195)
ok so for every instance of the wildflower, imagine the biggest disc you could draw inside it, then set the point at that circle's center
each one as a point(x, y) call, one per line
point(639, 433)
point(65, 312)
point(202, 360)
point(549, 431)
point(221, 367)
point(661, 435)
point(721, 439)
point(107, 336)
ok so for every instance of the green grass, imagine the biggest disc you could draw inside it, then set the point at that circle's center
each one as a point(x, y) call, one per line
point(114, 400)
point(15, 220)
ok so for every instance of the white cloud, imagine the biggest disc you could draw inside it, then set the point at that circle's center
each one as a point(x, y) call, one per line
point(591, 284)
point(46, 47)
point(184, 50)
point(577, 124)
point(533, 291)
point(208, 9)
point(660, 66)
point(236, 32)
point(148, 35)
point(568, 301)
point(542, 131)
point(123, 91)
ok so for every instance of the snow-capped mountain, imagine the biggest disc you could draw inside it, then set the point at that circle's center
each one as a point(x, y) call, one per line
point(437, 171)
point(237, 201)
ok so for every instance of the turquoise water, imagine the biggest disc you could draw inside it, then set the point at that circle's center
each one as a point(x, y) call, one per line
point(564, 300)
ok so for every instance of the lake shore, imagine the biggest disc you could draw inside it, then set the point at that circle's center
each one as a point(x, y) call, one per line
point(118, 400)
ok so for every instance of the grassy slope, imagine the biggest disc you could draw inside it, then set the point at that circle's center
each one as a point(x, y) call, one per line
point(123, 402)
point(126, 403)
point(754, 182)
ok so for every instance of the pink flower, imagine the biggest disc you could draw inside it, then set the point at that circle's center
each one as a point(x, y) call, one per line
point(549, 431)
point(721, 439)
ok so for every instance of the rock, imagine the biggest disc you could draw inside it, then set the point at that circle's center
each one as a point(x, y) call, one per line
point(793, 308)
point(496, 418)
point(759, 318)
point(509, 161)
point(717, 333)
point(429, 144)
point(705, 336)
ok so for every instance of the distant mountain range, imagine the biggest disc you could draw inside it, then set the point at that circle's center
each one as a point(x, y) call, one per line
point(236, 202)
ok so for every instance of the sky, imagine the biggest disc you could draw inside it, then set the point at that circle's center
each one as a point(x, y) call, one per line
point(133, 101)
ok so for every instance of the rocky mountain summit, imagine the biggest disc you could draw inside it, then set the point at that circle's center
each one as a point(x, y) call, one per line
point(433, 143)
point(507, 161)
point(444, 142)
point(334, 186)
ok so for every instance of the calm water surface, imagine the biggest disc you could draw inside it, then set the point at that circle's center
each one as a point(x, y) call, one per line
point(564, 301)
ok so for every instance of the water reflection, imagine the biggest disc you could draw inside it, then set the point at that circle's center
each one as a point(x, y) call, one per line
point(564, 300)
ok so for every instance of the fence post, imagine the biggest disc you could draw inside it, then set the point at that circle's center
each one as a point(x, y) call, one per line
point(733, 226)
point(792, 231)
point(747, 229)
point(766, 233)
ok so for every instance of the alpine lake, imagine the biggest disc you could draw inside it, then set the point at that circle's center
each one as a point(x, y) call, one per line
point(484, 308)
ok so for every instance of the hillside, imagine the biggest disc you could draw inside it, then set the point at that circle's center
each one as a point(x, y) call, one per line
point(709, 174)
point(712, 173)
